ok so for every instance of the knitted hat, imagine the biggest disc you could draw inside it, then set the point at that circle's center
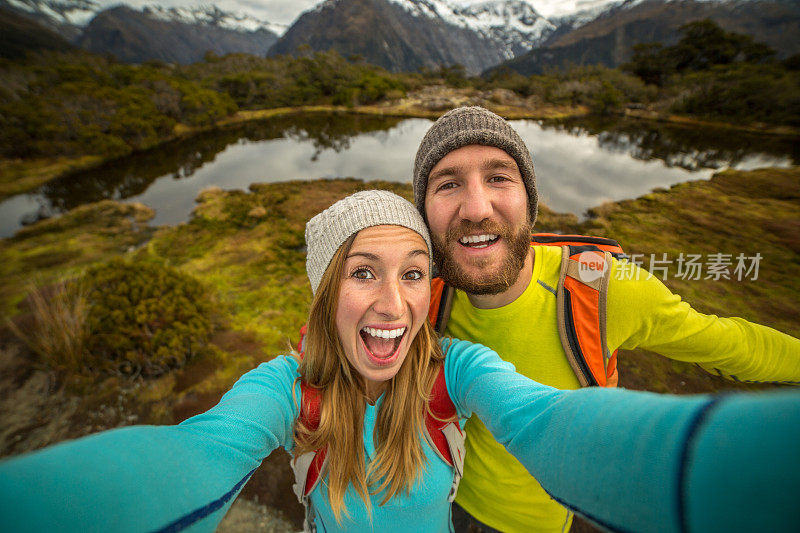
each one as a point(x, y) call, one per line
point(471, 125)
point(328, 230)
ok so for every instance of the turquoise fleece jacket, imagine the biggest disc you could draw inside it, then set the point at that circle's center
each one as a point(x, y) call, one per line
point(630, 461)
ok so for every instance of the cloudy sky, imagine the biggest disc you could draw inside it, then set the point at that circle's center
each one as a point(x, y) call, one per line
point(285, 11)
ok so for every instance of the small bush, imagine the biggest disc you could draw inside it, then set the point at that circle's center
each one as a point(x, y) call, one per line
point(144, 319)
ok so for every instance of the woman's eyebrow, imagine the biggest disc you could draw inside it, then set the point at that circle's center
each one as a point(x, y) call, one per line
point(373, 257)
point(366, 255)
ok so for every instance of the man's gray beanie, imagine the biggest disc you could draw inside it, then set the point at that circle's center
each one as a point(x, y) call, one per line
point(471, 125)
point(328, 230)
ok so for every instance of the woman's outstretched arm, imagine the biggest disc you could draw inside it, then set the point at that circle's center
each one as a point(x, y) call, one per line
point(154, 478)
point(634, 461)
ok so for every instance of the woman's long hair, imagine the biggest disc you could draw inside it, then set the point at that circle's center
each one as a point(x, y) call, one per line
point(399, 455)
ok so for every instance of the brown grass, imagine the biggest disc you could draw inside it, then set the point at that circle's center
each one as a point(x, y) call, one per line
point(58, 331)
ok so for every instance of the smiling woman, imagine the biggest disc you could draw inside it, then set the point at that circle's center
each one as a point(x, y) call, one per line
point(371, 410)
point(383, 301)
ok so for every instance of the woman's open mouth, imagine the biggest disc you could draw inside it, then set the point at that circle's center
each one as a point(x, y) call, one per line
point(382, 345)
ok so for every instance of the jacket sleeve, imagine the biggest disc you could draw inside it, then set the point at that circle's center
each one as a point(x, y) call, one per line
point(152, 478)
point(643, 313)
point(634, 461)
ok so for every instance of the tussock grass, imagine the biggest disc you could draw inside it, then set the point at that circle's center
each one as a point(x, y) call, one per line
point(58, 331)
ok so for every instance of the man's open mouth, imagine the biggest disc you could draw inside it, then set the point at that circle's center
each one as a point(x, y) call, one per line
point(382, 345)
point(479, 241)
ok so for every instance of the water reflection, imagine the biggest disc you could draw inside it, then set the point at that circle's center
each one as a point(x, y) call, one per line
point(131, 176)
point(579, 163)
point(690, 148)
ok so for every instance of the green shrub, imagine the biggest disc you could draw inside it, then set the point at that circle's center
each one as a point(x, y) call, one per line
point(144, 319)
point(742, 92)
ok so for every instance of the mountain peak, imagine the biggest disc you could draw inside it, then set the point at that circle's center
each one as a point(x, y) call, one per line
point(74, 12)
point(211, 15)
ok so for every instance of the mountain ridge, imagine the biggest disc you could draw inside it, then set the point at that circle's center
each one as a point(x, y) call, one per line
point(136, 36)
point(609, 38)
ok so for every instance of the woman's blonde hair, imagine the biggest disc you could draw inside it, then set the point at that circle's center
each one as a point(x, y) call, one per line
point(399, 455)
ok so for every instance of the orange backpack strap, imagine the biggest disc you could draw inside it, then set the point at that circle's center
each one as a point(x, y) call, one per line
point(443, 432)
point(581, 301)
point(600, 243)
point(441, 303)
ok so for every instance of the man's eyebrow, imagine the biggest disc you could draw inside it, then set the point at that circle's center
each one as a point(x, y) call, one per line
point(446, 171)
point(491, 164)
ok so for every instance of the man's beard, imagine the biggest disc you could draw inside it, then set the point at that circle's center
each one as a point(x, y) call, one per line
point(483, 282)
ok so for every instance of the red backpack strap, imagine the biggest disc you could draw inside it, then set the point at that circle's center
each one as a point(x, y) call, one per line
point(443, 431)
point(309, 466)
point(441, 303)
point(581, 300)
point(301, 344)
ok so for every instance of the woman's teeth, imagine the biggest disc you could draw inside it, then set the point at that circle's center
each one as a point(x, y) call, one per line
point(384, 333)
point(478, 241)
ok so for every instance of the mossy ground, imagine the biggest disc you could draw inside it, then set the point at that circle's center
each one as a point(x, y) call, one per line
point(735, 212)
point(248, 248)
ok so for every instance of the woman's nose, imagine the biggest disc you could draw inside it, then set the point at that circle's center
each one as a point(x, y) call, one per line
point(389, 302)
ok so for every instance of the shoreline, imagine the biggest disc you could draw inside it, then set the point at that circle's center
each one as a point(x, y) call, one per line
point(21, 176)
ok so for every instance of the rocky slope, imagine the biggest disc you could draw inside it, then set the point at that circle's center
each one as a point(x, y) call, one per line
point(609, 38)
point(406, 35)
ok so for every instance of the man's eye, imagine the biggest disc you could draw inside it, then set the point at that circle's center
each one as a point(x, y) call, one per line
point(413, 275)
point(496, 179)
point(445, 186)
point(362, 273)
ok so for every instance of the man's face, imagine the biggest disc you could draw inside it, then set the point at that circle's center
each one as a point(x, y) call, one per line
point(477, 210)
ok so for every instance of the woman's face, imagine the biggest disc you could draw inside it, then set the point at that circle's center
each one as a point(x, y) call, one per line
point(383, 301)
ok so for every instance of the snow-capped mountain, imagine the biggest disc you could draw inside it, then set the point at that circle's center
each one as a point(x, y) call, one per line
point(406, 35)
point(211, 15)
point(608, 37)
point(172, 36)
point(73, 12)
point(514, 23)
point(77, 14)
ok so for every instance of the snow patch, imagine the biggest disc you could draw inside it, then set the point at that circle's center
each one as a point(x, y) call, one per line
point(513, 23)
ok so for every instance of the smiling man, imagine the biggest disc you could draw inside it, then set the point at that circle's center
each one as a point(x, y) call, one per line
point(475, 185)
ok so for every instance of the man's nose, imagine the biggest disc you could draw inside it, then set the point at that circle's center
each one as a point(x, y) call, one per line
point(389, 303)
point(476, 204)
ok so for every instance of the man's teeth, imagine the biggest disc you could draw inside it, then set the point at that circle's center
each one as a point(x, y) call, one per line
point(384, 333)
point(475, 239)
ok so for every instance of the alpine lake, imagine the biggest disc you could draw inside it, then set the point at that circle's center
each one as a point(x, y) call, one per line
point(580, 163)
